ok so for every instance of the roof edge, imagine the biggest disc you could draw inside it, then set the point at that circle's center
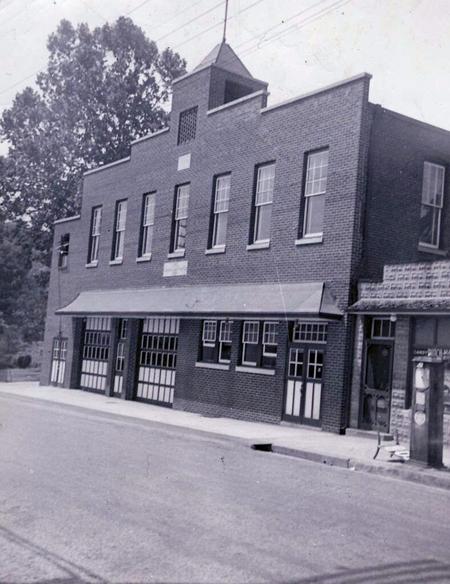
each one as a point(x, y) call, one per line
point(317, 91)
point(67, 219)
point(109, 165)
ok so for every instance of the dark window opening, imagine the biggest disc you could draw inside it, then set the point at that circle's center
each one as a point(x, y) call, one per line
point(187, 125)
point(63, 257)
point(235, 91)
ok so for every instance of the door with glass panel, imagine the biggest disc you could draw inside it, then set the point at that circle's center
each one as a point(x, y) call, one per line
point(303, 396)
point(58, 368)
point(119, 363)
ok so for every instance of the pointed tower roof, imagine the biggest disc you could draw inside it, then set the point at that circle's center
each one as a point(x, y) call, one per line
point(224, 57)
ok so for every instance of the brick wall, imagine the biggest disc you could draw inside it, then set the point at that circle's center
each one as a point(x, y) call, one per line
point(398, 149)
point(234, 139)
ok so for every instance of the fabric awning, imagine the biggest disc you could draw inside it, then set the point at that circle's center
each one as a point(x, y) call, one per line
point(292, 300)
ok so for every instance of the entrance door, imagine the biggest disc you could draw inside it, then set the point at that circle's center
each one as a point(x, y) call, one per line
point(376, 394)
point(304, 385)
point(157, 361)
point(59, 354)
point(120, 357)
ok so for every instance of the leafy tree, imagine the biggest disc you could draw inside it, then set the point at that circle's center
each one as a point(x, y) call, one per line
point(102, 89)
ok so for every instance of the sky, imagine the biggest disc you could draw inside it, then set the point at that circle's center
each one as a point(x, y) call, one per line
point(296, 46)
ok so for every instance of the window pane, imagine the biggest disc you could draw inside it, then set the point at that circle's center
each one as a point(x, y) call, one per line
point(225, 331)
point(250, 353)
point(264, 184)
point(182, 204)
point(180, 234)
point(225, 352)
point(316, 173)
point(222, 194)
point(149, 210)
point(443, 334)
point(314, 212)
point(433, 184)
point(429, 225)
point(424, 332)
point(262, 222)
point(220, 229)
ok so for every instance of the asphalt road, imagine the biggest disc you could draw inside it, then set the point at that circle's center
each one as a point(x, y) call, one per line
point(87, 497)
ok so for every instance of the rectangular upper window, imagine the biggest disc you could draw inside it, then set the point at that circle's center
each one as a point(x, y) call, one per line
point(262, 212)
point(259, 343)
point(180, 218)
point(216, 341)
point(315, 189)
point(187, 125)
point(63, 256)
point(119, 230)
point(147, 223)
point(432, 203)
point(94, 237)
point(220, 207)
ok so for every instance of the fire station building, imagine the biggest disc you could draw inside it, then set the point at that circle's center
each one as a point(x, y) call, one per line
point(263, 262)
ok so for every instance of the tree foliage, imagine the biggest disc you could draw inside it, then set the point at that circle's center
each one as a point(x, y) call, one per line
point(102, 89)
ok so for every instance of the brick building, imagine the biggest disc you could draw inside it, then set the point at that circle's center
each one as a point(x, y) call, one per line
point(216, 268)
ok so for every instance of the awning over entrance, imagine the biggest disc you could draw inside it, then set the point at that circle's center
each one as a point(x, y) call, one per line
point(401, 305)
point(407, 288)
point(289, 300)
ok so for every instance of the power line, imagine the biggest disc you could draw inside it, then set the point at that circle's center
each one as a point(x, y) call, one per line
point(202, 32)
point(190, 21)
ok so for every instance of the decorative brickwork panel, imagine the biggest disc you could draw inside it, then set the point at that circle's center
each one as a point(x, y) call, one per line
point(187, 126)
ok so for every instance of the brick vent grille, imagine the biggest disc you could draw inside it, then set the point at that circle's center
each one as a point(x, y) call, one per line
point(187, 126)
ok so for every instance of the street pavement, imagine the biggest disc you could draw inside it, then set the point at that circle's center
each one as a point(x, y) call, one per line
point(87, 496)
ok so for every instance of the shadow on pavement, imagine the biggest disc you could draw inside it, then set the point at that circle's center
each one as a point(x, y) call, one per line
point(419, 571)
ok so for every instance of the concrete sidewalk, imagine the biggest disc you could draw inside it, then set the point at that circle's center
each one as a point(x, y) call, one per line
point(352, 451)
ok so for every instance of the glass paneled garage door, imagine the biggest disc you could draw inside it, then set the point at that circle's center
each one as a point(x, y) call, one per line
point(157, 360)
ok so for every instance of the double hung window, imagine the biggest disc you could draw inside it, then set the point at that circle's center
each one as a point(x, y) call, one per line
point(259, 343)
point(432, 203)
point(119, 230)
point(180, 217)
point(315, 189)
point(94, 240)
point(216, 341)
point(148, 221)
point(265, 178)
point(220, 210)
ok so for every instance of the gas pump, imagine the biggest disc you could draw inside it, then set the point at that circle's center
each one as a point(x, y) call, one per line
point(427, 416)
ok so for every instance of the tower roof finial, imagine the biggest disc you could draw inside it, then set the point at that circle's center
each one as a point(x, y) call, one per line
point(225, 22)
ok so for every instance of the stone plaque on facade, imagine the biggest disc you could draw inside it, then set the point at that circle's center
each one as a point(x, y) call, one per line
point(175, 269)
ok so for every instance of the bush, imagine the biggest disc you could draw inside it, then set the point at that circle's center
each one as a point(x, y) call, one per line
point(23, 361)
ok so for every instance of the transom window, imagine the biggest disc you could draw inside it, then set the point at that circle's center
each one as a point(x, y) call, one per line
point(220, 209)
point(432, 203)
point(259, 343)
point(119, 230)
point(94, 240)
point(382, 328)
point(148, 221)
point(180, 218)
point(265, 179)
point(315, 189)
point(309, 332)
point(216, 341)
point(187, 125)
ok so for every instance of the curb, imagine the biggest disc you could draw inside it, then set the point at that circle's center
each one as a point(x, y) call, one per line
point(399, 472)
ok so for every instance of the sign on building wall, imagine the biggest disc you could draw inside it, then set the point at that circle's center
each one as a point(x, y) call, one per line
point(175, 269)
